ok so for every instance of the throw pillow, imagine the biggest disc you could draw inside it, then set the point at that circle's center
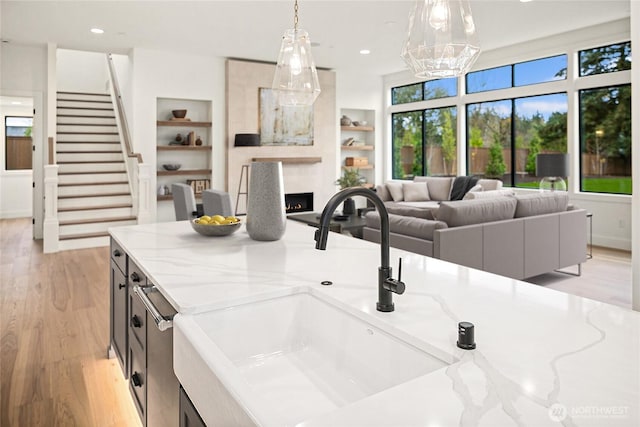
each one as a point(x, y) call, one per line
point(415, 192)
point(488, 194)
point(475, 188)
point(395, 189)
point(439, 187)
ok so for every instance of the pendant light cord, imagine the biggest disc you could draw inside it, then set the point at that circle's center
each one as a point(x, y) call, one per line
point(295, 16)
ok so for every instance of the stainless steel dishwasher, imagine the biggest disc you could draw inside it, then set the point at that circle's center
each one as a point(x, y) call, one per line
point(162, 386)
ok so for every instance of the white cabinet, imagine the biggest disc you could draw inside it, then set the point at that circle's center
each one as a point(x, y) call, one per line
point(357, 142)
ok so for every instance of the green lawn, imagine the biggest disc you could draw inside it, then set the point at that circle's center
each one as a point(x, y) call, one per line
point(618, 185)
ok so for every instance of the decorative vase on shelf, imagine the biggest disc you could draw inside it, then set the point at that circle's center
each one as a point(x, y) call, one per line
point(345, 121)
point(266, 216)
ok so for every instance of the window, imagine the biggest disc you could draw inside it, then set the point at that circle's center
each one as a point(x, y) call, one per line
point(605, 59)
point(491, 79)
point(18, 142)
point(540, 127)
point(605, 140)
point(540, 70)
point(489, 139)
point(440, 88)
point(424, 143)
point(406, 94)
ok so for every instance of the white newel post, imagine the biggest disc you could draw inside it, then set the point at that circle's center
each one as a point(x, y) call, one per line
point(144, 195)
point(50, 229)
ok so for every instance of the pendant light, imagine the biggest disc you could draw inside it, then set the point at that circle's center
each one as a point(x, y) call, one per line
point(296, 79)
point(441, 39)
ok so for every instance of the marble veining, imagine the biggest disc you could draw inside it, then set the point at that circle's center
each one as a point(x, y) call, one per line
point(544, 358)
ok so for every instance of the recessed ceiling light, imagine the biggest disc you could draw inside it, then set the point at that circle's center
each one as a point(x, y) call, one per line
point(16, 103)
point(525, 1)
point(365, 52)
point(97, 30)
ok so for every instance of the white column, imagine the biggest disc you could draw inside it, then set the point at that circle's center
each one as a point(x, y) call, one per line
point(144, 193)
point(635, 160)
point(50, 228)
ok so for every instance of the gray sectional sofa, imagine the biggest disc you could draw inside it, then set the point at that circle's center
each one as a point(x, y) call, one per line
point(517, 236)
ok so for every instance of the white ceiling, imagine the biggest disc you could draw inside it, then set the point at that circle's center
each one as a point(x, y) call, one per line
point(253, 29)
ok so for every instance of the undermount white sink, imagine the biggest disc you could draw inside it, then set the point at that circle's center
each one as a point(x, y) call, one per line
point(301, 355)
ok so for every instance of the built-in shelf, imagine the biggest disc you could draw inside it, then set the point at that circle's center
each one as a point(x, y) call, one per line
point(358, 128)
point(291, 160)
point(183, 123)
point(358, 167)
point(184, 148)
point(357, 147)
point(185, 172)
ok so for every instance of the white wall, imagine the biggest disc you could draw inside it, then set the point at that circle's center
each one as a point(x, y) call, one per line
point(80, 71)
point(159, 74)
point(23, 73)
point(124, 74)
point(635, 132)
point(611, 213)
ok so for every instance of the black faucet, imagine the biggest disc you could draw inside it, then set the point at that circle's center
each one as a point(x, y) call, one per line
point(386, 284)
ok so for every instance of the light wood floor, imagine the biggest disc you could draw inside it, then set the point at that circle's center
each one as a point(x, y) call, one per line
point(54, 329)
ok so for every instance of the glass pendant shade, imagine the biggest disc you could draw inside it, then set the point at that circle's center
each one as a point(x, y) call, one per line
point(441, 39)
point(296, 79)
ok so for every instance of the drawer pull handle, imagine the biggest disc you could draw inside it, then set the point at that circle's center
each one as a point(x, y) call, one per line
point(136, 322)
point(137, 381)
point(121, 285)
point(117, 253)
point(161, 322)
point(135, 277)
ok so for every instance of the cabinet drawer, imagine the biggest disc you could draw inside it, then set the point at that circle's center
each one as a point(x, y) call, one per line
point(138, 379)
point(136, 276)
point(137, 320)
point(119, 256)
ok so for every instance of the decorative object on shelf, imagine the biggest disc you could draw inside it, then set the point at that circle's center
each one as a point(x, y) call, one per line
point(178, 138)
point(284, 125)
point(356, 161)
point(360, 123)
point(215, 230)
point(172, 166)
point(350, 178)
point(198, 141)
point(349, 142)
point(296, 77)
point(179, 115)
point(266, 218)
point(552, 167)
point(441, 39)
point(345, 121)
point(199, 185)
point(246, 140)
point(163, 190)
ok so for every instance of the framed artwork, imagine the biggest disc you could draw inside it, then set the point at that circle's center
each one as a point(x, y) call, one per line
point(284, 125)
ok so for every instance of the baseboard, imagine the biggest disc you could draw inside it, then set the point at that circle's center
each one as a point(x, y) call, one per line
point(612, 242)
point(5, 214)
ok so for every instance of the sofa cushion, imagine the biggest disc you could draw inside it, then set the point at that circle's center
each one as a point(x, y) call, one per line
point(409, 226)
point(383, 193)
point(466, 212)
point(471, 195)
point(490, 184)
point(439, 187)
point(431, 204)
point(395, 189)
point(415, 192)
point(541, 203)
point(410, 211)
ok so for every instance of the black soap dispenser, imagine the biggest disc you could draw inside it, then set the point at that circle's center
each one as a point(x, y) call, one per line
point(466, 340)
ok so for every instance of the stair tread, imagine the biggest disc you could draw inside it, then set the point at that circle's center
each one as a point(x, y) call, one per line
point(91, 162)
point(89, 172)
point(92, 208)
point(62, 107)
point(83, 235)
point(82, 93)
point(87, 133)
point(96, 220)
point(73, 184)
point(89, 152)
point(82, 196)
point(84, 100)
point(87, 124)
point(84, 117)
point(88, 142)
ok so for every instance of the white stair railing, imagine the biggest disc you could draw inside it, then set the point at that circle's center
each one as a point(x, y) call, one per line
point(137, 171)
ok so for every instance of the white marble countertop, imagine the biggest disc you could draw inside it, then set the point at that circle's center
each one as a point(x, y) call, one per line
point(543, 357)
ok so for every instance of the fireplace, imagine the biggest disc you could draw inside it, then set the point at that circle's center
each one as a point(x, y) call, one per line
point(298, 202)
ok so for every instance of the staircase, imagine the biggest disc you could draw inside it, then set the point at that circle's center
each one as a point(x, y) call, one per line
point(93, 188)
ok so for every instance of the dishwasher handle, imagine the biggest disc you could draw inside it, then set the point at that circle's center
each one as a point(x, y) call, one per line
point(161, 322)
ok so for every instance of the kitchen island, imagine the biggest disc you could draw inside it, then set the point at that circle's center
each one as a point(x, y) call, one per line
point(543, 357)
